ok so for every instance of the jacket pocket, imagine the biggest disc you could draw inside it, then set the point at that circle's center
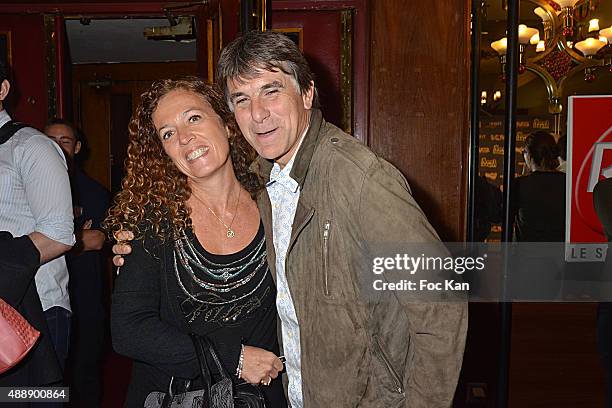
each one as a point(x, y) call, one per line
point(397, 382)
point(326, 229)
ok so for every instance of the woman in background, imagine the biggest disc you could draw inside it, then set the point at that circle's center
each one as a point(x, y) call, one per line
point(539, 202)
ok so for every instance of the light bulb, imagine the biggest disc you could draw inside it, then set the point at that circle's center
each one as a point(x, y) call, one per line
point(540, 12)
point(500, 46)
point(525, 33)
point(590, 46)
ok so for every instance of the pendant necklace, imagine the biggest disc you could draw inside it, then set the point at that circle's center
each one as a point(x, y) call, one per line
point(230, 232)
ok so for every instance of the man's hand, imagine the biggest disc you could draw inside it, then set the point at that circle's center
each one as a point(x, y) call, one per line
point(260, 366)
point(91, 240)
point(88, 239)
point(122, 247)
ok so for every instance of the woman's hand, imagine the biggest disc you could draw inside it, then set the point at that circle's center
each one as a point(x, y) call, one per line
point(260, 366)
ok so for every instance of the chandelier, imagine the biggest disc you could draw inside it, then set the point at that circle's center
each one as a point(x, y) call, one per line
point(561, 44)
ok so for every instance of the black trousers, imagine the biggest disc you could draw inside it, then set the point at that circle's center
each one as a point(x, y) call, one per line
point(89, 327)
point(604, 343)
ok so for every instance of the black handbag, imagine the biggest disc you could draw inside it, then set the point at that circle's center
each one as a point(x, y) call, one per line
point(219, 394)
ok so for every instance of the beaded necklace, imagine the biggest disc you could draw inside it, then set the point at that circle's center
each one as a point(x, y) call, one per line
point(215, 301)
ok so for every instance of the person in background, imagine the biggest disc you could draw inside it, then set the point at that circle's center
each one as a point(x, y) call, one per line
point(562, 150)
point(539, 200)
point(35, 207)
point(85, 264)
point(488, 208)
point(602, 201)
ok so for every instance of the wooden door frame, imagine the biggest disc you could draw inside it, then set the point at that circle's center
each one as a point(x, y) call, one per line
point(360, 55)
point(209, 37)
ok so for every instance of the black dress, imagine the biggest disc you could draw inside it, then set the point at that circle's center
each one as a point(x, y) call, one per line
point(167, 290)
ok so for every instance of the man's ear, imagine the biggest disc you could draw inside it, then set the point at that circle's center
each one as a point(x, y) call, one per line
point(5, 86)
point(77, 147)
point(308, 96)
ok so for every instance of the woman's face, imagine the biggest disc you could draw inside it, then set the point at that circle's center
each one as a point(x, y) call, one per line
point(192, 134)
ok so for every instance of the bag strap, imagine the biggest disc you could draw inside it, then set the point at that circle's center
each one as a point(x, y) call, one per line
point(201, 346)
point(9, 129)
point(207, 348)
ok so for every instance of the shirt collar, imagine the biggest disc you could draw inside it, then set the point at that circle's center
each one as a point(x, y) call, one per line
point(4, 117)
point(282, 176)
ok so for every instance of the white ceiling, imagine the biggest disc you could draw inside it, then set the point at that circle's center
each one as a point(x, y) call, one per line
point(122, 40)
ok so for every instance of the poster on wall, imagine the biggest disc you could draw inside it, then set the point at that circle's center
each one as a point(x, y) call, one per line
point(589, 159)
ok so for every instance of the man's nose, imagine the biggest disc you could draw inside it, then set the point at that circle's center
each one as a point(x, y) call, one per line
point(259, 111)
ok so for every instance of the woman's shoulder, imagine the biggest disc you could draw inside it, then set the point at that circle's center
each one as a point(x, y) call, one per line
point(540, 176)
point(149, 241)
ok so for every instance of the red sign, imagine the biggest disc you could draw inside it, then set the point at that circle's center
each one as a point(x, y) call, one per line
point(589, 159)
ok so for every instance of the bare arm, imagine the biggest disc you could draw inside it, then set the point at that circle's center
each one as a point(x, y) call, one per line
point(48, 248)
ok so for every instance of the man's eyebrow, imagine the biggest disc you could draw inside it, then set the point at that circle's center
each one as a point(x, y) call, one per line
point(236, 95)
point(273, 84)
point(264, 87)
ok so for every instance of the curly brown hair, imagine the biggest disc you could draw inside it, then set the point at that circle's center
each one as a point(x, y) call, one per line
point(154, 191)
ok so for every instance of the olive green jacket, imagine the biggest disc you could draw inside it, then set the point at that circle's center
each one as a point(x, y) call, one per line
point(358, 351)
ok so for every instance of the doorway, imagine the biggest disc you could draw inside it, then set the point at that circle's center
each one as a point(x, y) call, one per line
point(112, 62)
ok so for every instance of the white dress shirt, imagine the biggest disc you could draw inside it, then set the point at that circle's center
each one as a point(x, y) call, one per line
point(35, 196)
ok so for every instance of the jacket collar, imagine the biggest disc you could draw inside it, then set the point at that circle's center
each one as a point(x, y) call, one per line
point(303, 157)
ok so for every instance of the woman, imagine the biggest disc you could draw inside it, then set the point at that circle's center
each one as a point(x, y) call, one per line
point(199, 262)
point(540, 196)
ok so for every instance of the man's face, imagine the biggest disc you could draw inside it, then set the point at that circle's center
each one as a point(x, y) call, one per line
point(65, 138)
point(271, 113)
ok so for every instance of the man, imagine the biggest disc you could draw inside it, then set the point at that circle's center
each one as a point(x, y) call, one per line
point(35, 203)
point(90, 203)
point(602, 201)
point(562, 150)
point(329, 203)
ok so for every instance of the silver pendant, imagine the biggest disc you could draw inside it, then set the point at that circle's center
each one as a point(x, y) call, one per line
point(230, 233)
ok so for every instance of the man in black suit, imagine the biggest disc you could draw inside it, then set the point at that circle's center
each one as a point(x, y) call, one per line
point(602, 200)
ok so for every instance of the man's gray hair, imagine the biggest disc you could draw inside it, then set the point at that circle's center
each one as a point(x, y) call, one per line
point(246, 56)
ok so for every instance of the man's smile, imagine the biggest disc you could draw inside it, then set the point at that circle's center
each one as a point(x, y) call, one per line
point(266, 133)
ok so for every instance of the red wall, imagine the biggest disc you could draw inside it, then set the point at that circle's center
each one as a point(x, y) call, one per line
point(27, 100)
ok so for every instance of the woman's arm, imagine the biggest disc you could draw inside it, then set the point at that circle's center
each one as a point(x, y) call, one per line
point(136, 326)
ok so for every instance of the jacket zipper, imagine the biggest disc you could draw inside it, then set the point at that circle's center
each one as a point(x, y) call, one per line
point(396, 379)
point(326, 228)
